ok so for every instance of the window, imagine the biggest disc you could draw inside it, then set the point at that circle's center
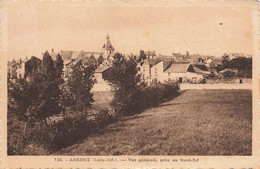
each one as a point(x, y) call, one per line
point(180, 79)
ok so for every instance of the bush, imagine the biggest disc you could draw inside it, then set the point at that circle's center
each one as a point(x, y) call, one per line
point(228, 74)
point(155, 94)
point(149, 96)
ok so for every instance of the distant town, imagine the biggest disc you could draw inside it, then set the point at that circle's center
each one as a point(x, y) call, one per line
point(183, 68)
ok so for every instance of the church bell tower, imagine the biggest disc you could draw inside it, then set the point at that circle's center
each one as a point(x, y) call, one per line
point(108, 48)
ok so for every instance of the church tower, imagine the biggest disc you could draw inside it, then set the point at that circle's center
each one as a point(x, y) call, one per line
point(108, 48)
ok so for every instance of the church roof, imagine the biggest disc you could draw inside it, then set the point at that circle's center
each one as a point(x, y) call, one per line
point(108, 45)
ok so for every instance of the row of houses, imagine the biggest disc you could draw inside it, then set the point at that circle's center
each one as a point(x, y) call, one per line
point(161, 70)
point(177, 67)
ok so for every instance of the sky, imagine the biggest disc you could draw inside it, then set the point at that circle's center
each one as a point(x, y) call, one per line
point(34, 27)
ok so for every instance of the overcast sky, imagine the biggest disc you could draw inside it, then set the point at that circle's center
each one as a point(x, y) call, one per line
point(36, 27)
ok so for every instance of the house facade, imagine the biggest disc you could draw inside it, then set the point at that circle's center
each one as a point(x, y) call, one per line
point(168, 71)
point(16, 68)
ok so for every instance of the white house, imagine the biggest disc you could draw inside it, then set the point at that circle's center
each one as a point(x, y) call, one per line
point(144, 68)
point(157, 71)
point(100, 83)
point(183, 73)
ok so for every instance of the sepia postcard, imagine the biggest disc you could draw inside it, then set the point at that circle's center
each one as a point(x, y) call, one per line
point(119, 84)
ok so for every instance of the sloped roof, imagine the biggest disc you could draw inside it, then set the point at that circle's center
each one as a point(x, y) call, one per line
point(109, 45)
point(66, 55)
point(166, 64)
point(151, 62)
point(179, 68)
point(101, 68)
point(75, 55)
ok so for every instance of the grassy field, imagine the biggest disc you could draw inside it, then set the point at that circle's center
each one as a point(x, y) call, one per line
point(102, 99)
point(198, 122)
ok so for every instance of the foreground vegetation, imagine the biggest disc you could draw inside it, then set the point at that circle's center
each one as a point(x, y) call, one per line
point(47, 113)
point(198, 122)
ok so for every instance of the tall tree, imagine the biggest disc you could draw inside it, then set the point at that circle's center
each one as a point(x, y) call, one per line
point(100, 60)
point(58, 64)
point(126, 83)
point(76, 90)
point(92, 61)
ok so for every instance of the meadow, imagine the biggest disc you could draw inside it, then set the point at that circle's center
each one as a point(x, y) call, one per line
point(197, 122)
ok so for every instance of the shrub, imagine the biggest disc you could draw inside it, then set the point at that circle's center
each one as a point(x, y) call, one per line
point(61, 134)
point(228, 74)
point(155, 94)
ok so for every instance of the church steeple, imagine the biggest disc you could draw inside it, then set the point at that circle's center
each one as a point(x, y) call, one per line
point(108, 48)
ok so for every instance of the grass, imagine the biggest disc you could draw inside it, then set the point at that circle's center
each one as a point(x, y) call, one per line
point(198, 122)
point(102, 99)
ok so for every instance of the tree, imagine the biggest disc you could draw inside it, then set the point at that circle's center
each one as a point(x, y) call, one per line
point(187, 53)
point(76, 90)
point(100, 60)
point(225, 59)
point(39, 98)
point(47, 63)
point(243, 64)
point(127, 85)
point(58, 64)
point(92, 61)
point(32, 65)
point(142, 56)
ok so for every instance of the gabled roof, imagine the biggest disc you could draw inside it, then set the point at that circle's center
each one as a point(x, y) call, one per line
point(166, 64)
point(75, 55)
point(66, 55)
point(180, 68)
point(151, 62)
point(101, 68)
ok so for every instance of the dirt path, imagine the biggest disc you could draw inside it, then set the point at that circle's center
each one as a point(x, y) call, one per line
point(198, 122)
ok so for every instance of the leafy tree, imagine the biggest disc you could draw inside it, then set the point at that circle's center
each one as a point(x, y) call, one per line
point(32, 65)
point(243, 64)
point(92, 61)
point(127, 85)
point(100, 60)
point(39, 98)
point(76, 90)
point(47, 63)
point(58, 64)
point(142, 56)
point(225, 59)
